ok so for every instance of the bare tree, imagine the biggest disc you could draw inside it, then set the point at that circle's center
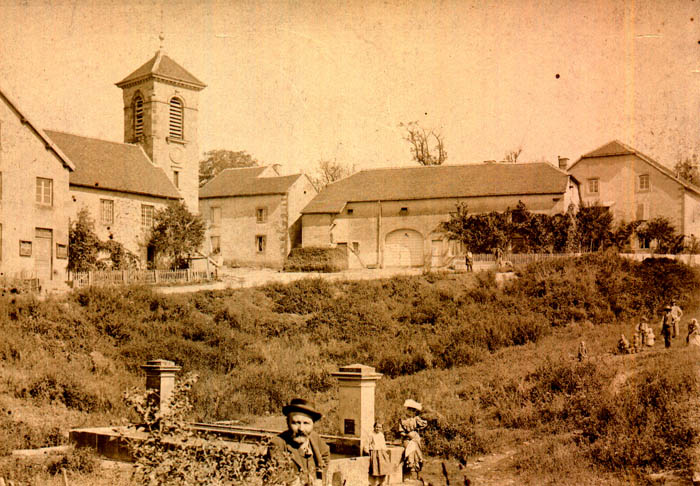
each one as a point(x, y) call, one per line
point(329, 171)
point(421, 140)
point(511, 156)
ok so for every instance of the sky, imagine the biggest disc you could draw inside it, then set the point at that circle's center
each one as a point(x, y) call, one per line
point(294, 82)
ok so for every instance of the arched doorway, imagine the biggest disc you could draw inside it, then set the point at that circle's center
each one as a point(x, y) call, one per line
point(403, 248)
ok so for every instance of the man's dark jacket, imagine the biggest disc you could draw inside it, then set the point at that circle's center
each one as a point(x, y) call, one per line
point(283, 444)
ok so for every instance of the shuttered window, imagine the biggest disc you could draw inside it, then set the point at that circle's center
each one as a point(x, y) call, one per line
point(176, 119)
point(138, 117)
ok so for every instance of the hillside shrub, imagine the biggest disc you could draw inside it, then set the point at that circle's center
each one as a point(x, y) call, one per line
point(316, 259)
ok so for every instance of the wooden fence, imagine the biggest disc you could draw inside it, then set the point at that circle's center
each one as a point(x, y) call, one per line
point(520, 258)
point(144, 277)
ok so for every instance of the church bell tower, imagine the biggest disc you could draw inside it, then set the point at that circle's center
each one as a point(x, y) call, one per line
point(161, 101)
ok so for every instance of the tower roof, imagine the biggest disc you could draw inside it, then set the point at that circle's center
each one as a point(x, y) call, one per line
point(162, 67)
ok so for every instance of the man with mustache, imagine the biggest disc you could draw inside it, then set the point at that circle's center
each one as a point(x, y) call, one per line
point(309, 453)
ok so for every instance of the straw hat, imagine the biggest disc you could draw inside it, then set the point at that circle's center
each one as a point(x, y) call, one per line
point(410, 403)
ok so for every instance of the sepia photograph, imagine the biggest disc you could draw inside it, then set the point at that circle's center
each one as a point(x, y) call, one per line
point(360, 243)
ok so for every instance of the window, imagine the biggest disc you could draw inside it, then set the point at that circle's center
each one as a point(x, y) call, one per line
point(176, 121)
point(644, 182)
point(261, 215)
point(176, 179)
point(44, 191)
point(642, 213)
point(356, 246)
point(403, 212)
point(593, 186)
point(644, 243)
point(147, 215)
point(215, 215)
point(138, 117)
point(260, 244)
point(350, 211)
point(215, 244)
point(107, 211)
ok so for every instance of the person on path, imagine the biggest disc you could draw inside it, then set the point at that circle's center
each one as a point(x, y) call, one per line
point(650, 337)
point(582, 351)
point(469, 261)
point(676, 314)
point(379, 460)
point(693, 337)
point(623, 345)
point(667, 326)
point(413, 448)
point(642, 330)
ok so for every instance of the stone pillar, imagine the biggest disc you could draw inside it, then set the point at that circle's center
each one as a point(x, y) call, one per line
point(356, 400)
point(160, 377)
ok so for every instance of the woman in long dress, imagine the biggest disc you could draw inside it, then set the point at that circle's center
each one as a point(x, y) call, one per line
point(413, 448)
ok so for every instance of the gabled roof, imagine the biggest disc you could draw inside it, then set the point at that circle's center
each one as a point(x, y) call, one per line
point(161, 66)
point(48, 143)
point(114, 166)
point(246, 182)
point(444, 181)
point(616, 148)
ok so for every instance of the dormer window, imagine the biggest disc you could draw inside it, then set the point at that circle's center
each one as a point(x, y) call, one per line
point(138, 117)
point(176, 119)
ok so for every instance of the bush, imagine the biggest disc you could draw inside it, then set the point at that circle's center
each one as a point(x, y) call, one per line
point(316, 259)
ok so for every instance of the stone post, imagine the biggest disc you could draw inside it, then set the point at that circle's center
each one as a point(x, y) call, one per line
point(356, 400)
point(160, 377)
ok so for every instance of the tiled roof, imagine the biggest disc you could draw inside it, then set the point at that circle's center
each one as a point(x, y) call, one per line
point(114, 166)
point(39, 132)
point(443, 181)
point(246, 182)
point(613, 148)
point(162, 66)
point(616, 147)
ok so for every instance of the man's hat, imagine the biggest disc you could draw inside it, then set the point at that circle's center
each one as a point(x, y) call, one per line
point(302, 406)
point(413, 404)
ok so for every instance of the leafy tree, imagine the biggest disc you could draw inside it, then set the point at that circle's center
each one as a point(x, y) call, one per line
point(176, 234)
point(329, 171)
point(687, 169)
point(661, 231)
point(217, 160)
point(594, 227)
point(421, 140)
point(481, 233)
point(83, 244)
point(119, 256)
point(623, 232)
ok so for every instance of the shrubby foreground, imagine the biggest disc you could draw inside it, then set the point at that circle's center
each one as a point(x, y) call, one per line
point(495, 364)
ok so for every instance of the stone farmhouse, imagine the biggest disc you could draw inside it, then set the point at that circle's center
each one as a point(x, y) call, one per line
point(391, 217)
point(34, 199)
point(636, 187)
point(254, 214)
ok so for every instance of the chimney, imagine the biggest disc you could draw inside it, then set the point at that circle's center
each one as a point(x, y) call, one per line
point(563, 162)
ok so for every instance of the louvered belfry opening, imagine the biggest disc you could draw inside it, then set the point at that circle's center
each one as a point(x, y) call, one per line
point(176, 121)
point(138, 118)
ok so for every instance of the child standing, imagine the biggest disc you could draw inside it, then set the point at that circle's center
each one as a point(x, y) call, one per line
point(379, 461)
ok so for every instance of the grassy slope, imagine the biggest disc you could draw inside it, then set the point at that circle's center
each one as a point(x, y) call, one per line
point(446, 340)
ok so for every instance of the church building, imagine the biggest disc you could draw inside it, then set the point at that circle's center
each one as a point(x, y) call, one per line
point(122, 185)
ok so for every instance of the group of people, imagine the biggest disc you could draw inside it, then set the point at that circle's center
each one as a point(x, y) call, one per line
point(670, 329)
point(309, 454)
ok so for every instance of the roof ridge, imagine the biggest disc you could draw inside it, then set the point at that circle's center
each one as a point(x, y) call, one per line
point(156, 62)
point(63, 132)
